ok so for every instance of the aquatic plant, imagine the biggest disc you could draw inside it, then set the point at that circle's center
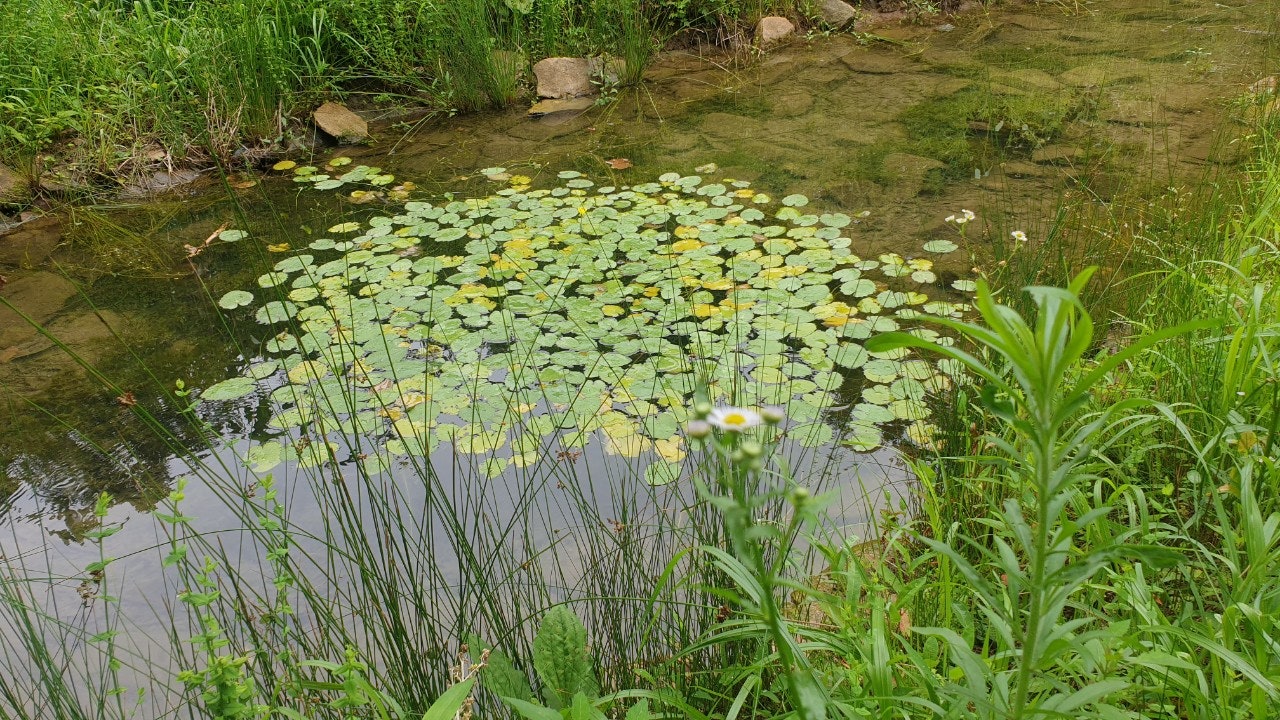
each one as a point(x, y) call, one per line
point(501, 323)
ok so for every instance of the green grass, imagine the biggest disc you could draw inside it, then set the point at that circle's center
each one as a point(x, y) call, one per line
point(100, 85)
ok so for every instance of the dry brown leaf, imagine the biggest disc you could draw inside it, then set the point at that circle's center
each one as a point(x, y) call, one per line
point(618, 163)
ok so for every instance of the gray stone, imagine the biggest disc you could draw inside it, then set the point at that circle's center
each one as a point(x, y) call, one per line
point(837, 14)
point(547, 107)
point(13, 187)
point(340, 123)
point(773, 29)
point(563, 77)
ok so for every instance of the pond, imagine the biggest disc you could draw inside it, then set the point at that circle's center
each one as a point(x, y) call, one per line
point(464, 319)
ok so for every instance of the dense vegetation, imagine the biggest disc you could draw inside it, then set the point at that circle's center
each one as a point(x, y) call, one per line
point(1095, 531)
point(115, 86)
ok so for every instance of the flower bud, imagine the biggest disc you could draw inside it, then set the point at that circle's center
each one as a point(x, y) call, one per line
point(752, 449)
point(697, 429)
point(773, 414)
point(701, 409)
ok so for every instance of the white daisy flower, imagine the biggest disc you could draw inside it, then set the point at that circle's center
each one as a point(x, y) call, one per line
point(734, 419)
point(1019, 236)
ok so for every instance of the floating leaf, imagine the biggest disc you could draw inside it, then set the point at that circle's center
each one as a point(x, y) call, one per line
point(940, 246)
point(232, 389)
point(232, 235)
point(965, 285)
point(863, 437)
point(235, 299)
point(588, 314)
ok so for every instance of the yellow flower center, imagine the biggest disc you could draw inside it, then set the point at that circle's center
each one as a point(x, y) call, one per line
point(735, 419)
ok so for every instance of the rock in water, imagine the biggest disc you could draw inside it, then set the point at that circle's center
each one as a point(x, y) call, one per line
point(563, 77)
point(773, 29)
point(339, 122)
point(547, 107)
point(837, 14)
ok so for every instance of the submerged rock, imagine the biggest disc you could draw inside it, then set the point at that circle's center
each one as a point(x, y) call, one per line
point(39, 296)
point(791, 103)
point(773, 29)
point(563, 77)
point(910, 172)
point(837, 14)
point(548, 107)
point(874, 63)
point(340, 123)
point(31, 242)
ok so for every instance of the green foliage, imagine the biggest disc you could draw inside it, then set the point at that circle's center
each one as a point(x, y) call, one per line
point(1025, 580)
point(622, 299)
point(204, 78)
point(561, 660)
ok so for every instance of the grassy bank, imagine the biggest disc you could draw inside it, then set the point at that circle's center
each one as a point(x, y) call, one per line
point(108, 89)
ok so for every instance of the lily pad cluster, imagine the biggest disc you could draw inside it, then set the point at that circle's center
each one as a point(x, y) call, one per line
point(528, 322)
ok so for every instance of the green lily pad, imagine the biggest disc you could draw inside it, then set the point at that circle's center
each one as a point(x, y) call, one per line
point(585, 315)
point(231, 389)
point(235, 299)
